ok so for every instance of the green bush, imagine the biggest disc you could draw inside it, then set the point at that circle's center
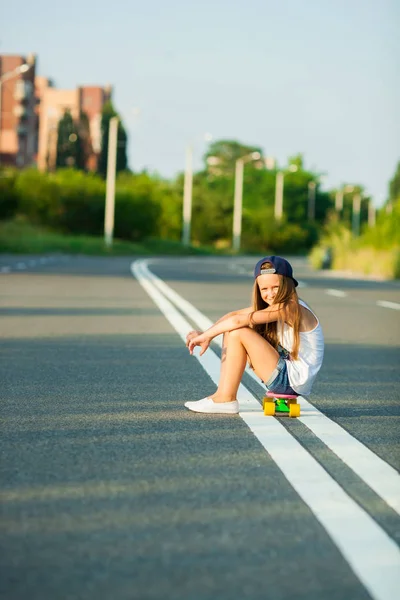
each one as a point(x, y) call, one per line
point(135, 216)
point(82, 201)
point(386, 233)
point(170, 200)
point(38, 197)
point(376, 252)
point(262, 232)
point(137, 206)
point(8, 193)
point(73, 202)
point(212, 209)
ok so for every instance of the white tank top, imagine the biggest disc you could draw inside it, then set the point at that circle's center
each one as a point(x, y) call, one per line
point(303, 371)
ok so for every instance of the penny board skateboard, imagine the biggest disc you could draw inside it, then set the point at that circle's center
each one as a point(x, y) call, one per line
point(284, 405)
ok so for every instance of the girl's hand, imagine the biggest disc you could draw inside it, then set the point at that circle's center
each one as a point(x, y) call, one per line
point(201, 340)
point(192, 334)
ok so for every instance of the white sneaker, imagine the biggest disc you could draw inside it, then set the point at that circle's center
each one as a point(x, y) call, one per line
point(207, 405)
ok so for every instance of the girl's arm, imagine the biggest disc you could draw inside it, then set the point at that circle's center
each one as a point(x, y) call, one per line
point(240, 319)
point(242, 311)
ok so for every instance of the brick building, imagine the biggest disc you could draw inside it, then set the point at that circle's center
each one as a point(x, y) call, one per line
point(18, 118)
point(30, 109)
point(53, 103)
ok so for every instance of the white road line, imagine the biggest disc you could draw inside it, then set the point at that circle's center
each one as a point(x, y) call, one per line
point(375, 472)
point(387, 304)
point(338, 293)
point(370, 552)
point(383, 479)
point(5, 269)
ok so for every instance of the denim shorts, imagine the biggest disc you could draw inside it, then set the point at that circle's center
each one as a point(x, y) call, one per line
point(278, 383)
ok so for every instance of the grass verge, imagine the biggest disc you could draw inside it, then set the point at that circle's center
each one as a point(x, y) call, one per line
point(23, 238)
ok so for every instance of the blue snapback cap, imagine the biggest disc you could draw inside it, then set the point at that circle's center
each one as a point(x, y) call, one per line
point(280, 266)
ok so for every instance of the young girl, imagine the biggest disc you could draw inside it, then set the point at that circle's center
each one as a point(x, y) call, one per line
point(279, 335)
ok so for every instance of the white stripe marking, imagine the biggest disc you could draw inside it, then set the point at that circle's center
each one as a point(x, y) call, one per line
point(371, 553)
point(338, 293)
point(387, 304)
point(375, 472)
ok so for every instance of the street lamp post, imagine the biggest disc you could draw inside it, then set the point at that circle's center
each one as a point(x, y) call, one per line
point(110, 184)
point(356, 214)
point(339, 196)
point(279, 183)
point(187, 197)
point(279, 186)
point(311, 200)
point(188, 192)
point(339, 201)
point(371, 214)
point(238, 197)
point(17, 71)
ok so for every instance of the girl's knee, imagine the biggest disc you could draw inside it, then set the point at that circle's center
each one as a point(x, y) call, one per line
point(238, 333)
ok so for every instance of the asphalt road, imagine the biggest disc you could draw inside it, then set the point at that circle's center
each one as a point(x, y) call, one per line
point(111, 489)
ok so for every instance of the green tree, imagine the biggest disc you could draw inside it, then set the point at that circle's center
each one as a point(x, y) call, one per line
point(394, 185)
point(213, 191)
point(212, 208)
point(297, 160)
point(222, 155)
point(8, 194)
point(346, 216)
point(83, 127)
point(69, 144)
point(122, 138)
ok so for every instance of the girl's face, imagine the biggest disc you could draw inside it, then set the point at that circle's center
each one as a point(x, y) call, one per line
point(268, 285)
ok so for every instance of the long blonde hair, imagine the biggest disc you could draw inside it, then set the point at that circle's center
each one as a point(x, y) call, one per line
point(287, 296)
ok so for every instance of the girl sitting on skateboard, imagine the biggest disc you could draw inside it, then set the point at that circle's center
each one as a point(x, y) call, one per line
point(279, 335)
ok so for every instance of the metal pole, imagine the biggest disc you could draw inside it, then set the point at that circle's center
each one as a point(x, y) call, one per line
point(311, 200)
point(187, 197)
point(110, 186)
point(339, 201)
point(237, 205)
point(1, 120)
point(356, 214)
point(371, 214)
point(279, 195)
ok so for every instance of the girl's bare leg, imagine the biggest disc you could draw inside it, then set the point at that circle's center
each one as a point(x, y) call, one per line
point(223, 359)
point(233, 363)
point(238, 345)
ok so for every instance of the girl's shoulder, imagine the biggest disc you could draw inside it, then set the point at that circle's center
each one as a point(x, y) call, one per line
point(309, 320)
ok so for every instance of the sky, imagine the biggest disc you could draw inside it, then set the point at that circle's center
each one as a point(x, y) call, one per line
point(317, 77)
